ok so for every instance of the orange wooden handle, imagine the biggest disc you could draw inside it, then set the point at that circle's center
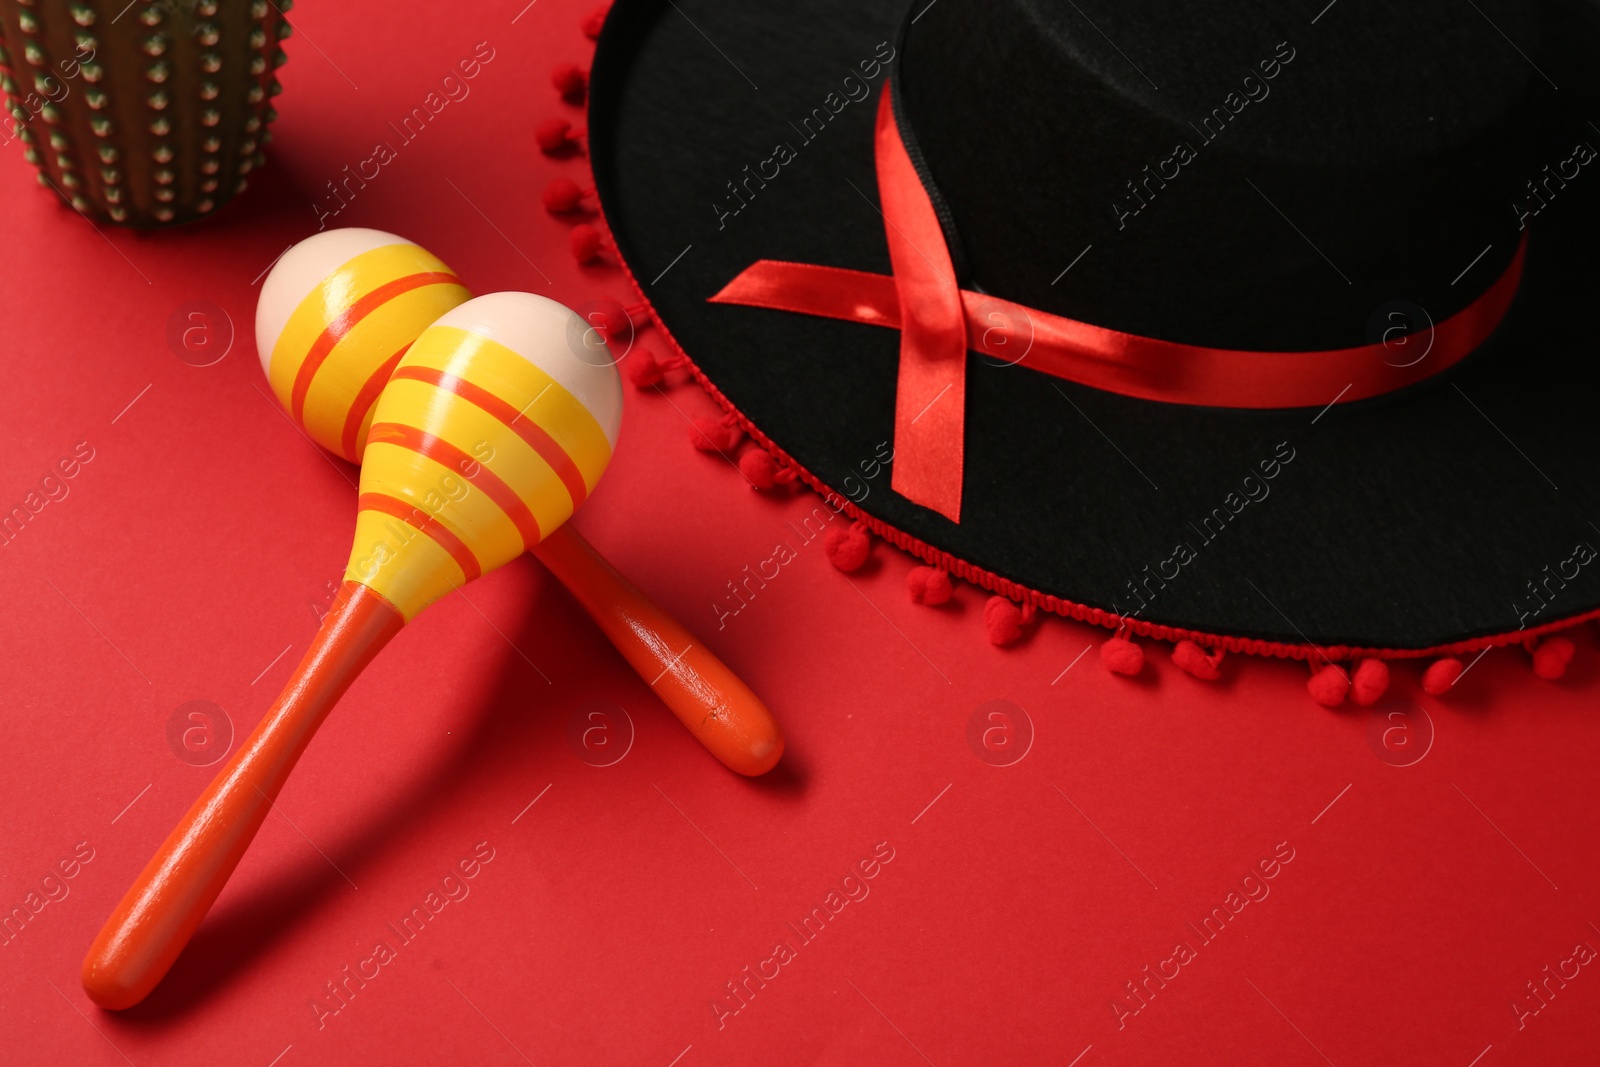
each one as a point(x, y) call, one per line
point(702, 692)
point(165, 904)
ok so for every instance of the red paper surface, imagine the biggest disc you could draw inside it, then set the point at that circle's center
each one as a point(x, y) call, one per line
point(192, 553)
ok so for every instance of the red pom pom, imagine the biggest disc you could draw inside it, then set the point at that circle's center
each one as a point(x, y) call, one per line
point(713, 435)
point(1194, 659)
point(1329, 685)
point(1440, 676)
point(593, 21)
point(552, 135)
point(1550, 659)
point(1003, 620)
point(1370, 682)
point(929, 585)
point(1121, 656)
point(847, 546)
point(609, 318)
point(570, 80)
point(585, 242)
point(562, 196)
point(762, 470)
point(642, 368)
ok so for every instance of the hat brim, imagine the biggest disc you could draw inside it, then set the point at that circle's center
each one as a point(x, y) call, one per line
point(1449, 516)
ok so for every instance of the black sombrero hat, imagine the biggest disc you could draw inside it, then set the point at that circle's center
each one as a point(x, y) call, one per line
point(1267, 327)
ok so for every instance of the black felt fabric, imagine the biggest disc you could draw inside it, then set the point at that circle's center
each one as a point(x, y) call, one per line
point(1393, 137)
point(1407, 521)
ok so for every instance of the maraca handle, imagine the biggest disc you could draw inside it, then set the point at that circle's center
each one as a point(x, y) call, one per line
point(165, 904)
point(702, 692)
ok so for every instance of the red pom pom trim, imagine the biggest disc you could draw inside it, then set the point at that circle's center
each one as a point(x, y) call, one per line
point(715, 435)
point(929, 585)
point(1441, 676)
point(594, 21)
point(589, 245)
point(1328, 685)
point(563, 196)
point(1119, 655)
point(1551, 656)
point(643, 369)
point(848, 546)
point(556, 135)
point(763, 471)
point(571, 81)
point(1003, 620)
point(1370, 682)
point(1193, 659)
point(611, 320)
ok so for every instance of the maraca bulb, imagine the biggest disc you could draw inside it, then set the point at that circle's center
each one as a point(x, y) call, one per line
point(335, 315)
point(497, 423)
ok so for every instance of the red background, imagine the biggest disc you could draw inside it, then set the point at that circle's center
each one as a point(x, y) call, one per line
point(197, 545)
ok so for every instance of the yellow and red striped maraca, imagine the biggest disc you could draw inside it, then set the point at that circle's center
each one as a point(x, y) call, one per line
point(495, 427)
point(336, 314)
point(334, 317)
point(475, 451)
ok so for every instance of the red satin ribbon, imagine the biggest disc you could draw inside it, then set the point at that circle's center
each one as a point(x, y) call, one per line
point(930, 404)
point(939, 321)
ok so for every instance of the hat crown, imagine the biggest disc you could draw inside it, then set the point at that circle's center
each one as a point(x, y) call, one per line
point(1256, 176)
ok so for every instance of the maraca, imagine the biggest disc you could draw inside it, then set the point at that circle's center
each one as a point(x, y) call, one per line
point(492, 412)
point(335, 315)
